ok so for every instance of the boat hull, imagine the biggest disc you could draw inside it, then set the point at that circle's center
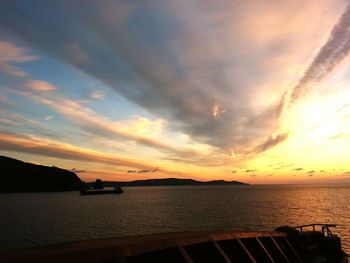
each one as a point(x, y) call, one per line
point(100, 192)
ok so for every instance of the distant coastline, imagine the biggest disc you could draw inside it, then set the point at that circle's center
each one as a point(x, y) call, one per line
point(169, 182)
point(19, 176)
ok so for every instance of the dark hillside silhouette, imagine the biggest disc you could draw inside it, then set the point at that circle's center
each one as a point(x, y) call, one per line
point(18, 176)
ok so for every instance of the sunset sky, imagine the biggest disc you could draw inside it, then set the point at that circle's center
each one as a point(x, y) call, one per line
point(254, 91)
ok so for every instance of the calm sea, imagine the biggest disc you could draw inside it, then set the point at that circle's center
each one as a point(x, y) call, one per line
point(36, 219)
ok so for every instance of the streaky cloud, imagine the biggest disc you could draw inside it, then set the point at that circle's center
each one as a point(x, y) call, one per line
point(9, 53)
point(97, 124)
point(27, 144)
point(157, 57)
point(346, 173)
point(270, 142)
point(75, 170)
point(297, 169)
point(40, 85)
point(143, 171)
point(327, 59)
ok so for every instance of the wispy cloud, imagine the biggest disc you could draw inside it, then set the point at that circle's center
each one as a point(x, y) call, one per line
point(40, 85)
point(14, 119)
point(75, 170)
point(96, 95)
point(134, 131)
point(297, 169)
point(20, 143)
point(50, 148)
point(8, 69)
point(217, 111)
point(139, 130)
point(328, 57)
point(49, 117)
point(144, 171)
point(270, 142)
point(346, 173)
point(10, 53)
point(281, 166)
point(180, 75)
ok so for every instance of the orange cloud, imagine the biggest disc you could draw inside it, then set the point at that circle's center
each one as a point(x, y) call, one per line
point(96, 95)
point(19, 143)
point(10, 53)
point(140, 130)
point(11, 70)
point(26, 144)
point(40, 85)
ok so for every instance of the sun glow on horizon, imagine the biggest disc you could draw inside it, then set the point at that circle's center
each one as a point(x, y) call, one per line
point(318, 134)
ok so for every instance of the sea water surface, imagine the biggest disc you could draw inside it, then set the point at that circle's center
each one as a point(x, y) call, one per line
point(38, 219)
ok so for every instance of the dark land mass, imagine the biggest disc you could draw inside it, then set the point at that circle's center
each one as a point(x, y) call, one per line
point(169, 182)
point(18, 176)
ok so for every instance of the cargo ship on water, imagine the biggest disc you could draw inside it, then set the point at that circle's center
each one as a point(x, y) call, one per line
point(115, 190)
point(99, 189)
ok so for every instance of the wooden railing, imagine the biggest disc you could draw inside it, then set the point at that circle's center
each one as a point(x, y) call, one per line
point(325, 228)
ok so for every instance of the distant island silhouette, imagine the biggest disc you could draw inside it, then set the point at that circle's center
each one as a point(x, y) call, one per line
point(168, 182)
point(19, 176)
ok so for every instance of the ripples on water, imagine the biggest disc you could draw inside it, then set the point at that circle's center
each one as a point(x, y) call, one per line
point(36, 219)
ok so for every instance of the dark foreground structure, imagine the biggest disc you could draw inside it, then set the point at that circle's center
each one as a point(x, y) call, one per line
point(272, 246)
